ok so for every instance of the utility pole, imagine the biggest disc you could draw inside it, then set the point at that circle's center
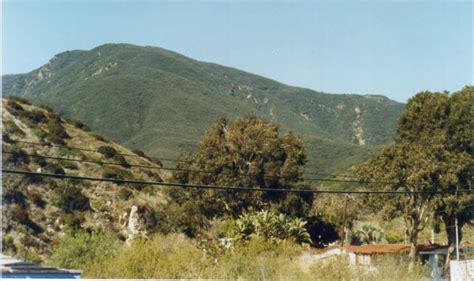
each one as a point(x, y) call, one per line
point(344, 218)
point(457, 238)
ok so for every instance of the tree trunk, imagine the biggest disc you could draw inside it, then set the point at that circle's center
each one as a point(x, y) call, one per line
point(413, 237)
point(449, 222)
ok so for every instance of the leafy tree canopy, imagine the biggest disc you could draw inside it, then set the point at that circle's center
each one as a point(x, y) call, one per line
point(432, 152)
point(246, 152)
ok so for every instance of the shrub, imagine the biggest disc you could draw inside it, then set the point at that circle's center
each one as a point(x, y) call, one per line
point(78, 124)
point(11, 128)
point(73, 222)
point(6, 138)
point(40, 160)
point(13, 196)
point(71, 198)
point(40, 133)
point(14, 107)
point(69, 164)
point(150, 190)
point(16, 156)
point(19, 214)
point(8, 245)
point(45, 107)
point(81, 248)
point(35, 116)
point(107, 151)
point(57, 132)
point(121, 160)
point(37, 199)
point(54, 168)
point(142, 154)
point(98, 137)
point(55, 117)
point(112, 172)
point(18, 99)
point(124, 193)
point(394, 237)
point(139, 153)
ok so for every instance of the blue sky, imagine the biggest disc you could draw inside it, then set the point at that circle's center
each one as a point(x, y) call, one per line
point(368, 47)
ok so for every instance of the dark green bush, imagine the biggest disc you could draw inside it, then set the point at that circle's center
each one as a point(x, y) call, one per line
point(78, 124)
point(112, 172)
point(156, 161)
point(8, 245)
point(19, 214)
point(40, 160)
point(76, 250)
point(71, 199)
point(12, 196)
point(121, 160)
point(124, 194)
point(11, 128)
point(35, 116)
point(99, 137)
point(107, 151)
point(54, 168)
point(139, 153)
point(55, 117)
point(40, 133)
point(14, 107)
point(69, 164)
point(37, 199)
point(73, 222)
point(57, 133)
point(18, 99)
point(45, 107)
point(6, 138)
point(16, 156)
point(150, 190)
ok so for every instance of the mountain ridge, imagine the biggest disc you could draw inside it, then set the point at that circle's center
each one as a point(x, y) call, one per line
point(161, 95)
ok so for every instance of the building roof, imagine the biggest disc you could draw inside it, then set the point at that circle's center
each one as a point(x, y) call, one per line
point(378, 249)
point(12, 266)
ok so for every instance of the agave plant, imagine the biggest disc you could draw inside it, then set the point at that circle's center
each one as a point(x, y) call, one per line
point(369, 234)
point(272, 226)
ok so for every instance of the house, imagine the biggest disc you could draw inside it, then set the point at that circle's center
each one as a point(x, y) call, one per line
point(365, 255)
point(13, 268)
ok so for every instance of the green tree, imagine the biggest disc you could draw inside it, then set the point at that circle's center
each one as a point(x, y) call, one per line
point(247, 152)
point(432, 152)
point(401, 167)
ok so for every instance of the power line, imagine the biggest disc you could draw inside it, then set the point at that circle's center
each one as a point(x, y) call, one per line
point(220, 187)
point(194, 171)
point(149, 157)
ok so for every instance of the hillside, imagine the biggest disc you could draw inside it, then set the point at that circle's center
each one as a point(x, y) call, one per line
point(39, 210)
point(162, 102)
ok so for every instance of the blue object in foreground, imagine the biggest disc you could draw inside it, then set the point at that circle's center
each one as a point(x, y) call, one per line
point(13, 268)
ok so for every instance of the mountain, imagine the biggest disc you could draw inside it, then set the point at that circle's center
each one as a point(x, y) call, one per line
point(37, 211)
point(163, 102)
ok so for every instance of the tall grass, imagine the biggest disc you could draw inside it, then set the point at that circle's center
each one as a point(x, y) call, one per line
point(177, 257)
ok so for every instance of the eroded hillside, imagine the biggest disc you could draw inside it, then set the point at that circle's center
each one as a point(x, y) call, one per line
point(39, 210)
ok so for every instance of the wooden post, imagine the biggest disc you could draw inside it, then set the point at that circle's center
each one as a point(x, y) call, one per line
point(457, 239)
point(344, 218)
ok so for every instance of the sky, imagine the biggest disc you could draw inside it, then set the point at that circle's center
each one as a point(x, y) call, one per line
point(391, 48)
